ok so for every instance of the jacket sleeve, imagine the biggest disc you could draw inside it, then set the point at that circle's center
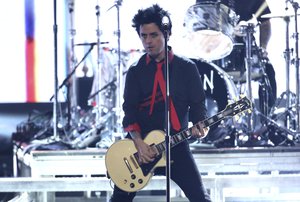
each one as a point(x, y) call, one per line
point(198, 110)
point(131, 102)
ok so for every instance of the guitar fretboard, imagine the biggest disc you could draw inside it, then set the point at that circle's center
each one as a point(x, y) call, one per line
point(231, 110)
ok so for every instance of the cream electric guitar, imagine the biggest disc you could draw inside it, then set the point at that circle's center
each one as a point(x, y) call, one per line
point(121, 159)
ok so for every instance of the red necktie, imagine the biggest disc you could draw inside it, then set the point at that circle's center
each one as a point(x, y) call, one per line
point(159, 78)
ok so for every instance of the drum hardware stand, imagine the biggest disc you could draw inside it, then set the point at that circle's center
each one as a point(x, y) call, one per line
point(111, 83)
point(99, 79)
point(72, 116)
point(119, 79)
point(66, 80)
point(97, 108)
point(295, 61)
point(73, 108)
point(288, 119)
point(55, 96)
point(285, 129)
point(249, 29)
point(289, 127)
point(296, 7)
point(72, 112)
point(55, 109)
point(287, 57)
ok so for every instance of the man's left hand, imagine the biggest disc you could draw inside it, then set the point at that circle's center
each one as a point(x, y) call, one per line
point(201, 132)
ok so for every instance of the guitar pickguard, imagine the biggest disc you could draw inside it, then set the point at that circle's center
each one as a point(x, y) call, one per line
point(147, 168)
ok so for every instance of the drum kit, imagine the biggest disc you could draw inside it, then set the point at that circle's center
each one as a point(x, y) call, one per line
point(227, 70)
point(212, 28)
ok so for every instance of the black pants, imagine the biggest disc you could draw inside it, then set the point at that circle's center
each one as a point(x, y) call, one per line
point(184, 172)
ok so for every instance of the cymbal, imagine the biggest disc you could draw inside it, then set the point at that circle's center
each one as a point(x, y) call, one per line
point(272, 15)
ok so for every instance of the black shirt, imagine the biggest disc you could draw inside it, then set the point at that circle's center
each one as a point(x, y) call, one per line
point(186, 92)
point(244, 8)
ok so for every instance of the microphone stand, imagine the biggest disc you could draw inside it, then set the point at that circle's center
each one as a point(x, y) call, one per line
point(74, 69)
point(111, 83)
point(167, 115)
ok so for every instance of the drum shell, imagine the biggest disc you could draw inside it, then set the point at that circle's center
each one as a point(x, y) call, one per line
point(219, 88)
point(234, 63)
point(210, 30)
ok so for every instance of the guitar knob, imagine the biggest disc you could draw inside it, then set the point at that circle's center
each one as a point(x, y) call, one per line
point(131, 185)
point(133, 177)
point(140, 181)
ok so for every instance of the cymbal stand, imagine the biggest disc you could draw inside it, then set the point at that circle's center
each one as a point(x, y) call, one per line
point(290, 115)
point(296, 109)
point(287, 56)
point(99, 67)
point(120, 69)
point(289, 119)
point(296, 7)
point(119, 80)
point(72, 112)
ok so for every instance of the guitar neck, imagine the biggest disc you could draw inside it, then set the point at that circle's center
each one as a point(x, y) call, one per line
point(185, 134)
point(230, 110)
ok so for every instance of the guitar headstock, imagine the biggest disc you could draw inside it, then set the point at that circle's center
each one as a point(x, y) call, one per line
point(239, 106)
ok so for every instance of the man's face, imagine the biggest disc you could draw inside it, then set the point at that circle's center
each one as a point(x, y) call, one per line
point(153, 40)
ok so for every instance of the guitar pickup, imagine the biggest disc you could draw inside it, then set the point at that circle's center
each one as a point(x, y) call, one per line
point(128, 165)
point(134, 162)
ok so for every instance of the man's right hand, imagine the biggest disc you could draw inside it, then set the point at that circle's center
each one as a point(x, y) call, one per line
point(146, 153)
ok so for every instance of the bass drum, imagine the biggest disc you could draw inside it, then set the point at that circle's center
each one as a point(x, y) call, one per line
point(219, 88)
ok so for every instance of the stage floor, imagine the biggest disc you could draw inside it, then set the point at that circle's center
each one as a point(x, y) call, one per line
point(236, 174)
point(229, 174)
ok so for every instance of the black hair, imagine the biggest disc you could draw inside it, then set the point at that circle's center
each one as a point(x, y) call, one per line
point(153, 14)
